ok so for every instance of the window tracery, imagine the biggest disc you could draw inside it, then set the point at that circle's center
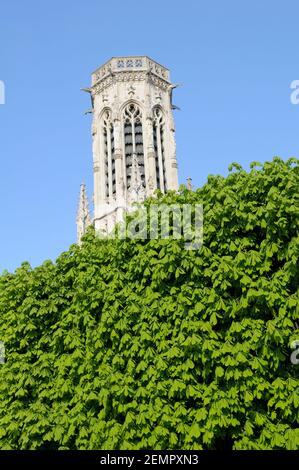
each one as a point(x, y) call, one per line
point(133, 140)
point(158, 134)
point(109, 159)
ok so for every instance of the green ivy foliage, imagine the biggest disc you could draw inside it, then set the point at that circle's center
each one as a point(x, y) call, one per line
point(142, 344)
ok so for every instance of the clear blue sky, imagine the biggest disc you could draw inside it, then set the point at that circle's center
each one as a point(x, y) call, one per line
point(236, 60)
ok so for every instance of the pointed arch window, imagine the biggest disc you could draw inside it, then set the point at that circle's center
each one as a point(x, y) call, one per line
point(109, 158)
point(133, 140)
point(158, 133)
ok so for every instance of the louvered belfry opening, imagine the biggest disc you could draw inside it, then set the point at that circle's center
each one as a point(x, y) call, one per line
point(109, 157)
point(133, 138)
point(158, 134)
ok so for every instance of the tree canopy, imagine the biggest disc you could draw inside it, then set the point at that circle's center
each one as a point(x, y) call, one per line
point(142, 344)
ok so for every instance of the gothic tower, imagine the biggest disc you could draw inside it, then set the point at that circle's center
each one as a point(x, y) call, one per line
point(133, 135)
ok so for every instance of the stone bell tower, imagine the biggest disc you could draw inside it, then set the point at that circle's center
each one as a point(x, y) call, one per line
point(133, 133)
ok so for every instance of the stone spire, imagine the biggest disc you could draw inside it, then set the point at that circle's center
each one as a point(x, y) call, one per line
point(83, 215)
point(189, 183)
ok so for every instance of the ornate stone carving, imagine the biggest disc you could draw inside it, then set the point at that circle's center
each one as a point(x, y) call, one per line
point(131, 91)
point(130, 76)
point(158, 70)
point(120, 77)
point(83, 215)
point(136, 192)
point(158, 82)
point(129, 63)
